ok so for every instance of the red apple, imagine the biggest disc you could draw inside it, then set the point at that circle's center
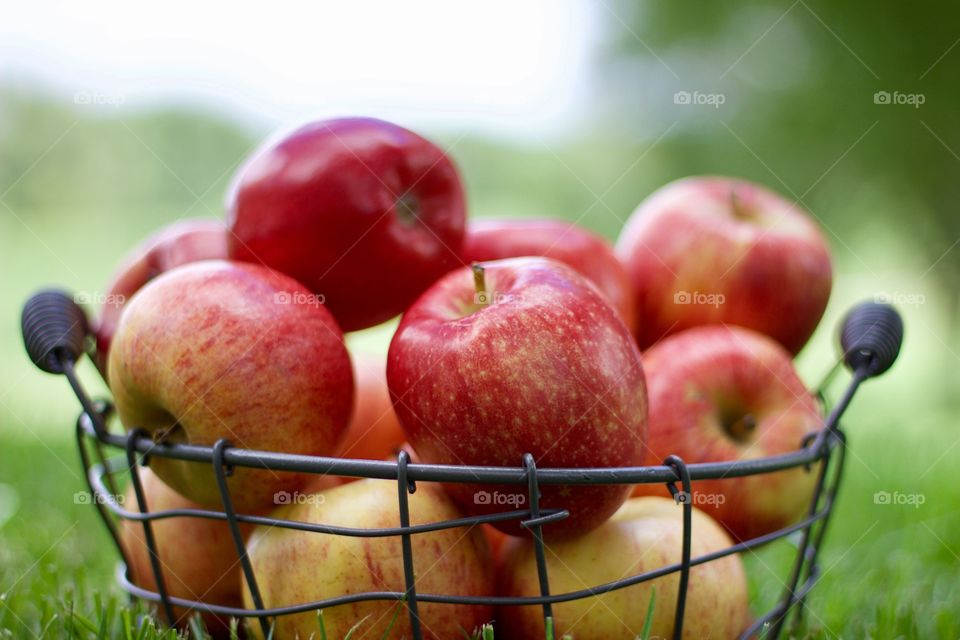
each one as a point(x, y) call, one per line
point(362, 211)
point(586, 252)
point(645, 535)
point(180, 243)
point(197, 556)
point(713, 250)
point(727, 393)
point(521, 356)
point(374, 432)
point(296, 567)
point(217, 350)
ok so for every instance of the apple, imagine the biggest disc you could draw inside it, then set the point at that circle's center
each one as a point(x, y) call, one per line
point(495, 538)
point(586, 252)
point(713, 250)
point(295, 567)
point(644, 535)
point(215, 350)
point(519, 356)
point(197, 556)
point(374, 432)
point(180, 243)
point(727, 393)
point(363, 212)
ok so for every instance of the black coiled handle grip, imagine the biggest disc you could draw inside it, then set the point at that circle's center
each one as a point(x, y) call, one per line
point(871, 337)
point(54, 329)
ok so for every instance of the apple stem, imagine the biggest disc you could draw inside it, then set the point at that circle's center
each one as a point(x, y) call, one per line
point(737, 205)
point(479, 282)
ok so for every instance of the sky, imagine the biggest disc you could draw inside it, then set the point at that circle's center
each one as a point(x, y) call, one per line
point(513, 68)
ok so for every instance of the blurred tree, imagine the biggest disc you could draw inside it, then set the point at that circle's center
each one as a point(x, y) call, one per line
point(54, 157)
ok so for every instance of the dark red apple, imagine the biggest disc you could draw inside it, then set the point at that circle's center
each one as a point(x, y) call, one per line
point(521, 356)
point(728, 393)
point(362, 211)
point(712, 250)
point(180, 243)
point(586, 252)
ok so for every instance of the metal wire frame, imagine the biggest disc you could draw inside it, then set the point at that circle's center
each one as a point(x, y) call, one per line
point(825, 446)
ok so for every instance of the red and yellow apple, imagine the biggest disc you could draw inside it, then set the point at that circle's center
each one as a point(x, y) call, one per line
point(217, 350)
point(295, 567)
point(363, 212)
point(180, 243)
point(713, 250)
point(521, 356)
point(197, 556)
point(727, 393)
point(586, 252)
point(644, 535)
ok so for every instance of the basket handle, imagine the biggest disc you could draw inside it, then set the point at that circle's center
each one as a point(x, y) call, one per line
point(871, 336)
point(54, 329)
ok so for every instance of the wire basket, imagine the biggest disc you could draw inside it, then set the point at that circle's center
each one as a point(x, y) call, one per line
point(55, 333)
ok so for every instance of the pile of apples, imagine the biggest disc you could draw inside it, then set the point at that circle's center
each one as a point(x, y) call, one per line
point(517, 336)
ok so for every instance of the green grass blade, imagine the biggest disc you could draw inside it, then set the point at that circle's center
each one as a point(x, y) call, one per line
point(198, 630)
point(355, 627)
point(648, 623)
point(322, 624)
point(393, 620)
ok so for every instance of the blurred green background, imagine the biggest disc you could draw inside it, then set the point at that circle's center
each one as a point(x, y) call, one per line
point(849, 108)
